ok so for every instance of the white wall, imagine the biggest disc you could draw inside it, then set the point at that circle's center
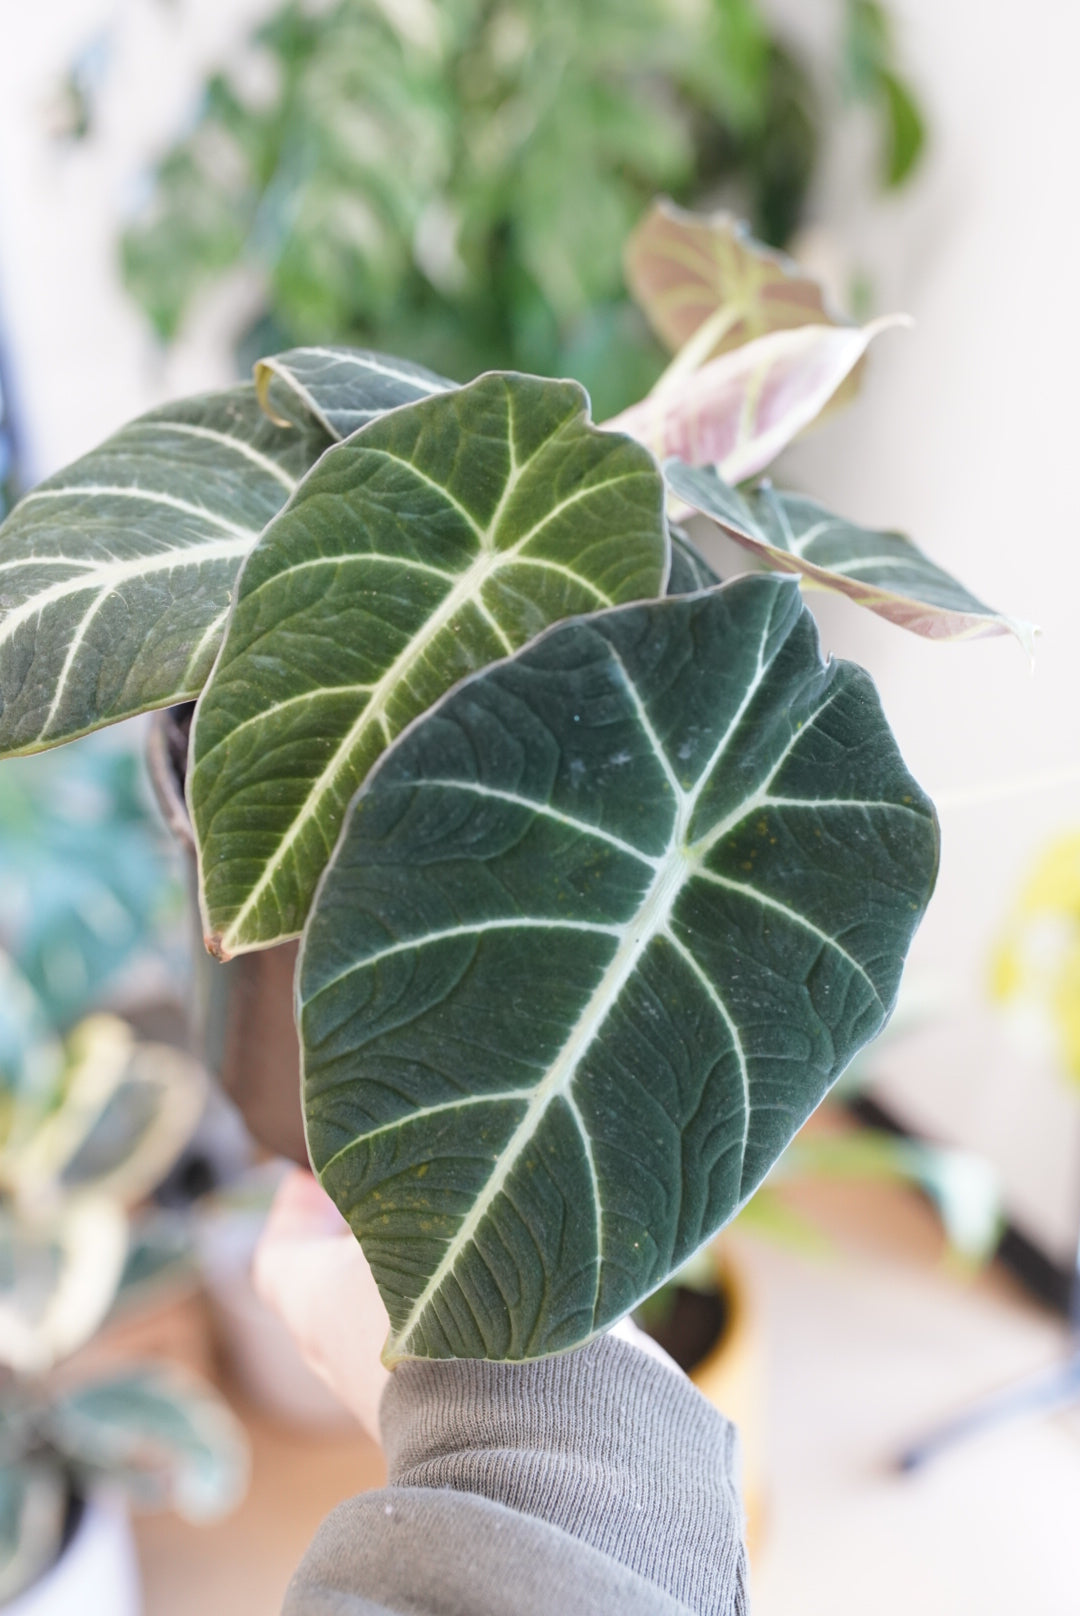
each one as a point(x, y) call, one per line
point(83, 359)
point(966, 437)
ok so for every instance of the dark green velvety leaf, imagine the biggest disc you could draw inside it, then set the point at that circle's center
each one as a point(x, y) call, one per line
point(115, 574)
point(689, 568)
point(343, 388)
point(441, 537)
point(600, 932)
point(884, 572)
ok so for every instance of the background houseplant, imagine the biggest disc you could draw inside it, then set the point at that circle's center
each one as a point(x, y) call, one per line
point(455, 182)
point(715, 828)
point(86, 1132)
point(88, 898)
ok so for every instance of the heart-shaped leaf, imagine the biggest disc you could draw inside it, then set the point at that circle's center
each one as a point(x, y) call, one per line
point(706, 286)
point(342, 388)
point(739, 410)
point(599, 933)
point(115, 574)
point(884, 572)
point(439, 538)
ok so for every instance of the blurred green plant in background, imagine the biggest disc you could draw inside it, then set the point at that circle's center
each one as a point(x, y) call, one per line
point(88, 1128)
point(86, 884)
point(455, 183)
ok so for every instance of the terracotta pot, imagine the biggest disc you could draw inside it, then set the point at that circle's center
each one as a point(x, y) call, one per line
point(242, 1016)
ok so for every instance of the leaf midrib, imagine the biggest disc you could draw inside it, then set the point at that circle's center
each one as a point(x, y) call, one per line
point(373, 712)
point(468, 590)
point(651, 919)
point(681, 862)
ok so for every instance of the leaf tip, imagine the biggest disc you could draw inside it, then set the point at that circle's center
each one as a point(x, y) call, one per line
point(898, 321)
point(1027, 634)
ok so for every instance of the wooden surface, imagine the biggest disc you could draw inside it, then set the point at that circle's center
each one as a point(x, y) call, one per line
point(242, 1566)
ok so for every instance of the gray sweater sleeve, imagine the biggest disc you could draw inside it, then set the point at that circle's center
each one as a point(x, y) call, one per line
point(599, 1483)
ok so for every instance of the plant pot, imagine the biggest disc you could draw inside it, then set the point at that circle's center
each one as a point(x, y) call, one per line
point(97, 1572)
point(731, 1376)
point(242, 1016)
point(715, 1337)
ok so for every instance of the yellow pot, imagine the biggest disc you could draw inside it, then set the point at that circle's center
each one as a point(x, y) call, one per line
point(731, 1376)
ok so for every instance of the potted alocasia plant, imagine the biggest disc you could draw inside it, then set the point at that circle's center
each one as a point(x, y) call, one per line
point(87, 1129)
point(600, 874)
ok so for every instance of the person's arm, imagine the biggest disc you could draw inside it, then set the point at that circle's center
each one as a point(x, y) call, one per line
point(598, 1481)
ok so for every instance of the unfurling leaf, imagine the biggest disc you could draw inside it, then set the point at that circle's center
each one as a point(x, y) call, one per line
point(599, 932)
point(739, 410)
point(441, 537)
point(706, 286)
point(884, 572)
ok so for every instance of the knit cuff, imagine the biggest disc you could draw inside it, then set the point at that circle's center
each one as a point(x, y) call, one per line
point(604, 1442)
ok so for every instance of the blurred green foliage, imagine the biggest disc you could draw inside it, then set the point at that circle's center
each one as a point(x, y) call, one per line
point(86, 884)
point(455, 182)
point(870, 76)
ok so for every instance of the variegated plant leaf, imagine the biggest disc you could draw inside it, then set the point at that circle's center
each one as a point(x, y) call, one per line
point(124, 1113)
point(168, 1441)
point(59, 1273)
point(33, 1510)
point(31, 1061)
point(739, 410)
point(884, 572)
point(706, 286)
point(599, 933)
point(115, 574)
point(342, 388)
point(433, 541)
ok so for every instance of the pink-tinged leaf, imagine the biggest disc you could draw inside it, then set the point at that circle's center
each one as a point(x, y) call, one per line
point(738, 411)
point(694, 273)
point(882, 571)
